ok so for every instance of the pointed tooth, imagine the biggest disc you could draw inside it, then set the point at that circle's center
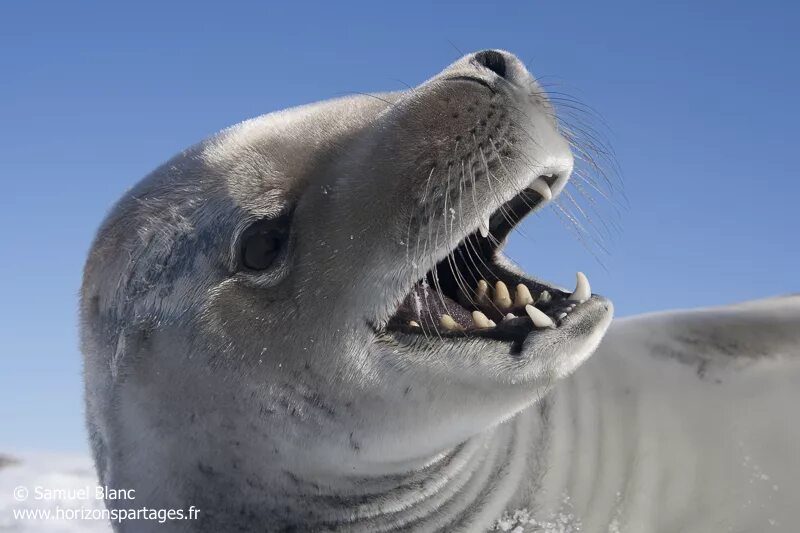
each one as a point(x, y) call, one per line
point(484, 227)
point(539, 319)
point(544, 297)
point(582, 290)
point(482, 293)
point(540, 186)
point(447, 322)
point(492, 324)
point(480, 320)
point(523, 296)
point(413, 323)
point(561, 315)
point(502, 298)
point(483, 287)
point(509, 316)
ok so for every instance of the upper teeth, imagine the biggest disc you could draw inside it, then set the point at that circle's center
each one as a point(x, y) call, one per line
point(544, 297)
point(582, 290)
point(501, 296)
point(484, 227)
point(482, 294)
point(540, 185)
point(523, 296)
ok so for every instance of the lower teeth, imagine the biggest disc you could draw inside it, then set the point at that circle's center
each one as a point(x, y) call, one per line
point(523, 299)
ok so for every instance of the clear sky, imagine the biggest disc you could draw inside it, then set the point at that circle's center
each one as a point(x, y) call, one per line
point(699, 98)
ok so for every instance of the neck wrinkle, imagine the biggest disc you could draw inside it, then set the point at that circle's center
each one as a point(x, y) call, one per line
point(462, 489)
point(593, 449)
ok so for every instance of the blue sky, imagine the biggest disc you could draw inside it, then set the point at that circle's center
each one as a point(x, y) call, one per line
point(699, 99)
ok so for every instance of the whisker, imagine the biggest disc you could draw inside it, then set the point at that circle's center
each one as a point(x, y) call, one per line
point(489, 175)
point(346, 93)
point(579, 232)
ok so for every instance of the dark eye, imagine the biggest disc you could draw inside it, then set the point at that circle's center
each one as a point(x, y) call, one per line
point(262, 243)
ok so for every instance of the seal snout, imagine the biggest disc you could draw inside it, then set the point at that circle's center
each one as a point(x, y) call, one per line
point(490, 66)
point(493, 60)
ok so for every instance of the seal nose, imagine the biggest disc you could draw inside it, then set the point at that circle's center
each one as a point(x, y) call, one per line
point(493, 60)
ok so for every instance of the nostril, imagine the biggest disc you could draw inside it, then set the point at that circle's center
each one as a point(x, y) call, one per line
point(493, 60)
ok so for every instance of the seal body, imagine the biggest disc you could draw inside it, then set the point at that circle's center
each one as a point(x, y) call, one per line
point(306, 322)
point(681, 421)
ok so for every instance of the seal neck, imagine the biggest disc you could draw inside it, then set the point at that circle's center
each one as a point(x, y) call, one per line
point(468, 486)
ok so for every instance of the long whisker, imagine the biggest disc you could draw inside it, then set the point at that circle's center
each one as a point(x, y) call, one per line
point(463, 284)
point(579, 231)
point(445, 217)
point(345, 93)
point(489, 175)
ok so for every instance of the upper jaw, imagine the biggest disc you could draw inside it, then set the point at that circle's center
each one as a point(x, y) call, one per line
point(520, 167)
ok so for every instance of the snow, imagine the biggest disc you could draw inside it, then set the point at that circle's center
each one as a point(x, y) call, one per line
point(563, 520)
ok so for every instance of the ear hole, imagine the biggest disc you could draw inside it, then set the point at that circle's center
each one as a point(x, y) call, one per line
point(94, 307)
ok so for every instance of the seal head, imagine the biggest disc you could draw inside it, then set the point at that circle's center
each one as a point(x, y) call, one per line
point(321, 292)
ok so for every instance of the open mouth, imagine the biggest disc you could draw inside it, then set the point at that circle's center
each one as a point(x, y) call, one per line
point(470, 293)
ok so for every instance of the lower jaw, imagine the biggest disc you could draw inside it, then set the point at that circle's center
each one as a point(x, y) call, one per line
point(515, 352)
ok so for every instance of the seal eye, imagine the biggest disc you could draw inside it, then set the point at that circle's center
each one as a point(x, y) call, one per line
point(262, 243)
point(260, 251)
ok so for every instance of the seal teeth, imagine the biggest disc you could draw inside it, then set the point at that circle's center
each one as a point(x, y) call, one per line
point(582, 290)
point(523, 296)
point(544, 297)
point(447, 323)
point(482, 297)
point(509, 316)
point(413, 323)
point(484, 227)
point(481, 320)
point(539, 319)
point(502, 298)
point(540, 186)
